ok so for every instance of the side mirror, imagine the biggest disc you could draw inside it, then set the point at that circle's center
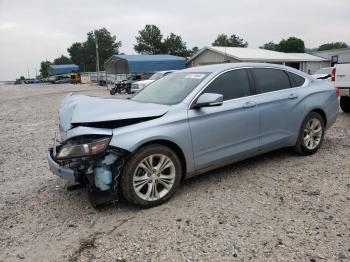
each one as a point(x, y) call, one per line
point(208, 99)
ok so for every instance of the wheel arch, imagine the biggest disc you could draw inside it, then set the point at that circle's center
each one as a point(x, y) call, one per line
point(321, 113)
point(318, 110)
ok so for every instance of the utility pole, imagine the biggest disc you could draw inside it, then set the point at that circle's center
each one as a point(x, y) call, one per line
point(97, 58)
point(28, 72)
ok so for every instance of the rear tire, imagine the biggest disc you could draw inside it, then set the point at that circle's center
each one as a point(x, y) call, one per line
point(151, 176)
point(345, 103)
point(112, 91)
point(310, 135)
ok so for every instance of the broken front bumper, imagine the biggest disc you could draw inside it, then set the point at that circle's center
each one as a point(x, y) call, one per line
point(61, 171)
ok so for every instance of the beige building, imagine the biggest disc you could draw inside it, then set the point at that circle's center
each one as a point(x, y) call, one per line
point(219, 54)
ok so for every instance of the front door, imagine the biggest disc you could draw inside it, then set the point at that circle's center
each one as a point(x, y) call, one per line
point(228, 132)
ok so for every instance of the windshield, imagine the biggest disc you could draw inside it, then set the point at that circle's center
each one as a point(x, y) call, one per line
point(156, 76)
point(170, 89)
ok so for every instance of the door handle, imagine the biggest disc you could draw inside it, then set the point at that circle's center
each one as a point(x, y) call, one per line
point(292, 96)
point(249, 104)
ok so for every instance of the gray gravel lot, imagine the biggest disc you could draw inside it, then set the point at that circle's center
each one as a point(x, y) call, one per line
point(275, 207)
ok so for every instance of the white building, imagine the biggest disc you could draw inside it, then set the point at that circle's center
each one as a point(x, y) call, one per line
point(220, 54)
point(335, 55)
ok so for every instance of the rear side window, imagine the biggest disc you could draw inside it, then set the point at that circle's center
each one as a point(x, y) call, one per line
point(269, 80)
point(296, 80)
point(232, 84)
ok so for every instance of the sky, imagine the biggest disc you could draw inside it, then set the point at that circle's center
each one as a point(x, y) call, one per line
point(36, 30)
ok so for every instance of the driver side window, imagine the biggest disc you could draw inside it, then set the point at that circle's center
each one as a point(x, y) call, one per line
point(232, 84)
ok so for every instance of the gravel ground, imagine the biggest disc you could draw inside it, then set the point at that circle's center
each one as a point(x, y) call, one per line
point(275, 207)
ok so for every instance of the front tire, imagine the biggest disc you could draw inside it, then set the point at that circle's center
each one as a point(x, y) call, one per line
point(151, 176)
point(345, 103)
point(310, 135)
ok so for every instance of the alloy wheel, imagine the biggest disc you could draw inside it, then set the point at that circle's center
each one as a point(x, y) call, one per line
point(312, 133)
point(154, 177)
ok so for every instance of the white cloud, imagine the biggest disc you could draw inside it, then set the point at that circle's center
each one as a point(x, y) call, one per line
point(5, 26)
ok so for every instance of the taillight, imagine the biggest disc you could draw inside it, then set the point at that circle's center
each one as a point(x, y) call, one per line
point(333, 74)
point(337, 91)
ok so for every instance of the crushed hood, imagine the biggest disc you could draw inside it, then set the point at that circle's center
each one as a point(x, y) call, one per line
point(77, 109)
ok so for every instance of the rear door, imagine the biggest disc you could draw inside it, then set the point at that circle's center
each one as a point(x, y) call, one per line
point(229, 131)
point(280, 106)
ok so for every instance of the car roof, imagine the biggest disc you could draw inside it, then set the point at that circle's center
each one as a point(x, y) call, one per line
point(217, 68)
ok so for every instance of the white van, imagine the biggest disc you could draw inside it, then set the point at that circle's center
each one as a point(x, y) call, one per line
point(341, 76)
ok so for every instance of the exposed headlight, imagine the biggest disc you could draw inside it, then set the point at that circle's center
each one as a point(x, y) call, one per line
point(92, 148)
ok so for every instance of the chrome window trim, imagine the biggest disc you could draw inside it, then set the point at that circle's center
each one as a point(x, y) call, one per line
point(307, 81)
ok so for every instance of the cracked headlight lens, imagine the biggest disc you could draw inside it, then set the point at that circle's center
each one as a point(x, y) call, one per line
point(83, 150)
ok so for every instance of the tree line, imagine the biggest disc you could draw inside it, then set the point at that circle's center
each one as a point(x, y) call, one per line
point(150, 40)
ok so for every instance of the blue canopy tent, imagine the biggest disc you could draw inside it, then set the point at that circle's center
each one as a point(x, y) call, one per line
point(128, 64)
point(63, 69)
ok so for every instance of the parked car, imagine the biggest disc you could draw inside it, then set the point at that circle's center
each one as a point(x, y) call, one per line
point(324, 73)
point(124, 86)
point(32, 81)
point(341, 76)
point(59, 79)
point(187, 123)
point(137, 86)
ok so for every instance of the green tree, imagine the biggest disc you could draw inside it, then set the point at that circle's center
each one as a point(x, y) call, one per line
point(291, 45)
point(174, 45)
point(270, 46)
point(77, 54)
point(232, 41)
point(149, 41)
point(62, 60)
point(335, 45)
point(44, 68)
point(221, 40)
point(84, 54)
point(107, 46)
point(194, 50)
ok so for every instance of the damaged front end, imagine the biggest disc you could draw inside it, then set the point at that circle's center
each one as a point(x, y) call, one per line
point(86, 126)
point(88, 160)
